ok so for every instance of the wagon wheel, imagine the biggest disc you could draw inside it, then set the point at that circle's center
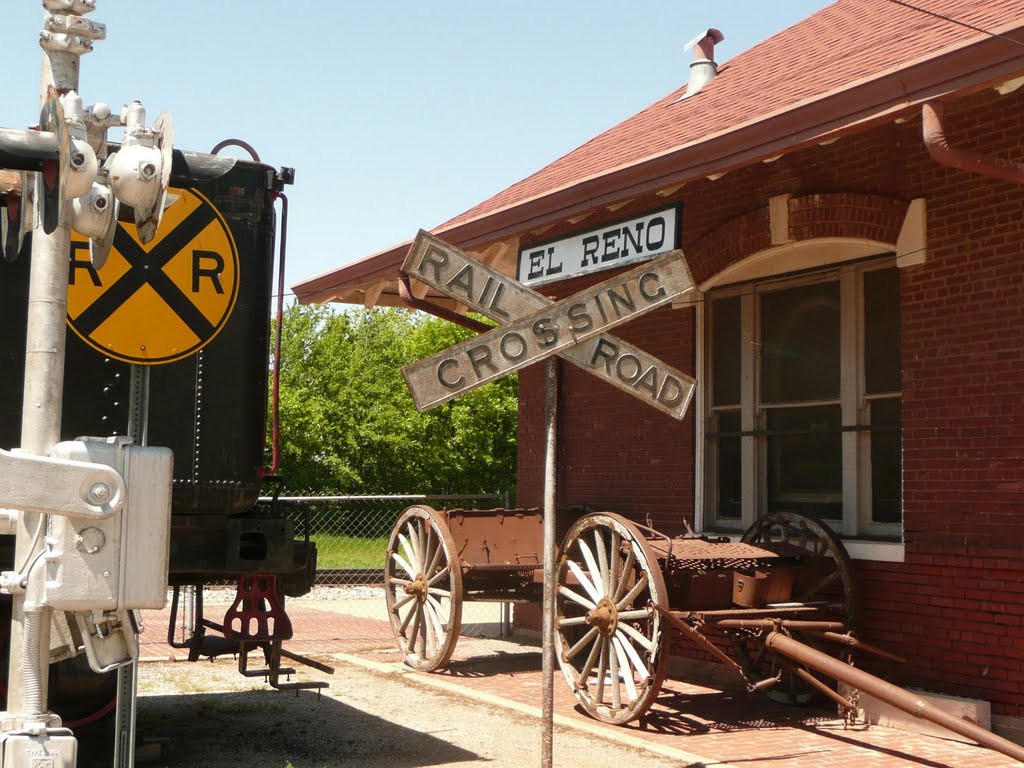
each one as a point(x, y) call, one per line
point(424, 588)
point(609, 637)
point(825, 577)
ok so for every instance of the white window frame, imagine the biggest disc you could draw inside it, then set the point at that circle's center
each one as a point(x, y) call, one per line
point(857, 527)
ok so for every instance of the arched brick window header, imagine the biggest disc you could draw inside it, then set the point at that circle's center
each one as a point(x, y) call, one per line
point(787, 220)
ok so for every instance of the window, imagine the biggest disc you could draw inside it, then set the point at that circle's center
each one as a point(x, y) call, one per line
point(803, 402)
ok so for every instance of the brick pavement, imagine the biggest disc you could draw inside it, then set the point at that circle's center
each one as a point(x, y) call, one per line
point(699, 712)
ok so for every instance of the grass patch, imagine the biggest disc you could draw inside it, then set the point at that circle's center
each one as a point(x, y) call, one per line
point(335, 550)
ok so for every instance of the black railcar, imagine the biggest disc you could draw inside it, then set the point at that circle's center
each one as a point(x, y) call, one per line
point(210, 407)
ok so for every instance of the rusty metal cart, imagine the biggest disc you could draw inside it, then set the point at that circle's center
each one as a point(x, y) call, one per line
point(620, 586)
point(782, 597)
point(496, 554)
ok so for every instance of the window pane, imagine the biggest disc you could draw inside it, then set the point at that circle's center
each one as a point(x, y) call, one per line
point(730, 502)
point(882, 330)
point(725, 350)
point(805, 460)
point(886, 461)
point(800, 344)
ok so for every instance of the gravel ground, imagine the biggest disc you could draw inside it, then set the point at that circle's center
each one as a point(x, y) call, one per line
point(214, 717)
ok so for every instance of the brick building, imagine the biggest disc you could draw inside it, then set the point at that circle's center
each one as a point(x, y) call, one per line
point(851, 214)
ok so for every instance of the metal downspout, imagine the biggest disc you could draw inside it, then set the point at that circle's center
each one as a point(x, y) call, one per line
point(437, 310)
point(972, 162)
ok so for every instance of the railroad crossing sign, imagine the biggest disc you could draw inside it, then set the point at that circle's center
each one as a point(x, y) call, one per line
point(160, 302)
point(535, 327)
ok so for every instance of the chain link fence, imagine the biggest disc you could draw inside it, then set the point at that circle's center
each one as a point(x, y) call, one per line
point(351, 535)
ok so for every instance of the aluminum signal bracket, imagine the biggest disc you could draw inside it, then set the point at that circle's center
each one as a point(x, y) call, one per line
point(56, 486)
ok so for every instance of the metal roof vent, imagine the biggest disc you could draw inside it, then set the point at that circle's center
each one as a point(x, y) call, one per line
point(703, 67)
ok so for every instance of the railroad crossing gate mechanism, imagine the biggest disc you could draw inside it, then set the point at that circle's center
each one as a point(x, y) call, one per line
point(159, 302)
point(536, 328)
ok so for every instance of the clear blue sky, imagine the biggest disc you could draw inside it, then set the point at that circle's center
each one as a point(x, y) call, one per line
point(396, 114)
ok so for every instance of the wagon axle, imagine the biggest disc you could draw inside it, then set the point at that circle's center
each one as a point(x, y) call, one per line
point(417, 588)
point(604, 616)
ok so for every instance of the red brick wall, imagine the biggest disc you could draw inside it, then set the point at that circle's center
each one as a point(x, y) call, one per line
point(963, 436)
point(955, 607)
point(616, 453)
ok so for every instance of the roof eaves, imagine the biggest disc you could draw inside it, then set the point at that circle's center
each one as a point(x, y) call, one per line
point(964, 66)
point(967, 65)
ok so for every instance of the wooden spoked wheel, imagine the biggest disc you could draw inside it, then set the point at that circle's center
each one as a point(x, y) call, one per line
point(823, 578)
point(424, 588)
point(609, 639)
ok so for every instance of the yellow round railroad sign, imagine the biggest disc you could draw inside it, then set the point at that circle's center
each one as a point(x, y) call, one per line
point(159, 302)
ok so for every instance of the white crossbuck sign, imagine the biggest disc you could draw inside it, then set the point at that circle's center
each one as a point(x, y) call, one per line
point(535, 327)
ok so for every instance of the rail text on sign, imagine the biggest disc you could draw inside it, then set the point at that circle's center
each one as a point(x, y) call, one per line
point(484, 289)
point(551, 329)
point(159, 302)
point(615, 245)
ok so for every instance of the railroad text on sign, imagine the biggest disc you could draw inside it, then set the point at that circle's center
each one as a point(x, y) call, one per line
point(501, 298)
point(550, 330)
point(160, 302)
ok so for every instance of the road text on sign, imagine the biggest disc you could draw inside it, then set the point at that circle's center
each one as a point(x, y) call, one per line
point(552, 329)
point(501, 298)
point(160, 302)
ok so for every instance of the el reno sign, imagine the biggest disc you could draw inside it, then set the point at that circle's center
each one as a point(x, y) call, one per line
point(612, 245)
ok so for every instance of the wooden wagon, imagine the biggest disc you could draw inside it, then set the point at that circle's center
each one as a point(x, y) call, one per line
point(782, 597)
point(621, 587)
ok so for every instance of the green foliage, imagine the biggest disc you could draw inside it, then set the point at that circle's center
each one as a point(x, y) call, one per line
point(348, 424)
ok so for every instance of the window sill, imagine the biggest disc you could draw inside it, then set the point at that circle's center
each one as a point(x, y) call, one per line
point(879, 551)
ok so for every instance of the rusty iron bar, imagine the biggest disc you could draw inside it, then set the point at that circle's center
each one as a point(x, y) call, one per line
point(405, 291)
point(698, 638)
point(807, 626)
point(818, 685)
point(859, 645)
point(307, 661)
point(889, 693)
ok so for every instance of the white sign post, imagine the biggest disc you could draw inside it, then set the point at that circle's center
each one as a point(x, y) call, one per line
point(537, 329)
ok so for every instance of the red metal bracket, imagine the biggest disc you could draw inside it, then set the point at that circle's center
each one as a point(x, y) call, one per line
point(257, 613)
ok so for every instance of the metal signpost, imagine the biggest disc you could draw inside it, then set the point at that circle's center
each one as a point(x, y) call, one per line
point(535, 329)
point(65, 488)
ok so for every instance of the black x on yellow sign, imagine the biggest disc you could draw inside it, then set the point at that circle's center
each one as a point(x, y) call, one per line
point(159, 302)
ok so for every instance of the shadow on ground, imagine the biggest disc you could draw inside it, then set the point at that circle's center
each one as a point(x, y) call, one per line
point(252, 729)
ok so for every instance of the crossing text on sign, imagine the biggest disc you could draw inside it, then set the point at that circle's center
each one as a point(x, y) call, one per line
point(553, 328)
point(485, 290)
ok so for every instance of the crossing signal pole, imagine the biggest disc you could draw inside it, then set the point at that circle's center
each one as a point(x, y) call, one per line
point(70, 499)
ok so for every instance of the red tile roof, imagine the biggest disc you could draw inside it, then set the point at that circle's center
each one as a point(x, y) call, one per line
point(845, 42)
point(851, 61)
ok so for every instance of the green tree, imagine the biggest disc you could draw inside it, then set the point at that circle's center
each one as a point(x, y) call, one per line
point(348, 424)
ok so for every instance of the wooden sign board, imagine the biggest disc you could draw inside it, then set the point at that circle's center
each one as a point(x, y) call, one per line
point(537, 328)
